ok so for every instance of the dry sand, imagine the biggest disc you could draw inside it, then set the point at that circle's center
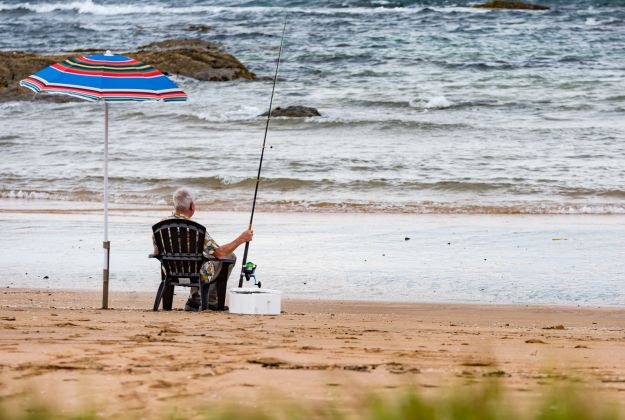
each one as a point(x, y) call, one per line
point(132, 360)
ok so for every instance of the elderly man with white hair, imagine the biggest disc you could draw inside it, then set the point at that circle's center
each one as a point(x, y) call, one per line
point(184, 208)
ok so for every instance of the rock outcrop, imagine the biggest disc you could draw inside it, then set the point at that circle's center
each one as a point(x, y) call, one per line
point(293, 112)
point(15, 65)
point(192, 58)
point(501, 4)
point(198, 27)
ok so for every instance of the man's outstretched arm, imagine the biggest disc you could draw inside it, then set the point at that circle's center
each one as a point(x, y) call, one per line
point(227, 249)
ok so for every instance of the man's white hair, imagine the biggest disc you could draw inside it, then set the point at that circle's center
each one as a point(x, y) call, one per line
point(183, 197)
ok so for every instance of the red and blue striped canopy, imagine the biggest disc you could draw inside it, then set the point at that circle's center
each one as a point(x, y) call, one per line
point(107, 77)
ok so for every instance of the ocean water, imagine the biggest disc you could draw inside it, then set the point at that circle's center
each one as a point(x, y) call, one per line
point(427, 107)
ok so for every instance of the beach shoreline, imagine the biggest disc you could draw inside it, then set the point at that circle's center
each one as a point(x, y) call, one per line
point(90, 299)
point(131, 360)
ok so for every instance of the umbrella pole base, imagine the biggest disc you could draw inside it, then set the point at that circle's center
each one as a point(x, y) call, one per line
point(105, 275)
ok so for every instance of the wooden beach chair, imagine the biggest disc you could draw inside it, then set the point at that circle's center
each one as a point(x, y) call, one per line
point(180, 244)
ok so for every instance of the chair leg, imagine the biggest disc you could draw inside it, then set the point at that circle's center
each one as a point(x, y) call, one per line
point(222, 286)
point(168, 296)
point(159, 295)
point(204, 287)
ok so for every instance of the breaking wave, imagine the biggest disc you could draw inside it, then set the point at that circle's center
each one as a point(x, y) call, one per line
point(242, 203)
point(232, 193)
point(91, 7)
point(329, 8)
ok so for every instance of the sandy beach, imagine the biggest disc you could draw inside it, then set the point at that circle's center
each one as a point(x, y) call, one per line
point(134, 361)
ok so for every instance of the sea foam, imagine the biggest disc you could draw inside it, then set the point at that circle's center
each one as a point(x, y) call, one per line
point(90, 7)
point(435, 102)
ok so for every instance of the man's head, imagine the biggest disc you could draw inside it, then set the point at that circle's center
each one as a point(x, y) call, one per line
point(184, 202)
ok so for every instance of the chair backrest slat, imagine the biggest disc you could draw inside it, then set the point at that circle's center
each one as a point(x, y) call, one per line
point(167, 248)
point(183, 238)
point(158, 238)
point(192, 245)
point(175, 243)
point(196, 242)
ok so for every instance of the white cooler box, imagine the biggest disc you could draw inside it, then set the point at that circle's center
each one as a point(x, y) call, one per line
point(254, 301)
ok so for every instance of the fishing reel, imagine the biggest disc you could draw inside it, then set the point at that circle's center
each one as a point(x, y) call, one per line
point(249, 273)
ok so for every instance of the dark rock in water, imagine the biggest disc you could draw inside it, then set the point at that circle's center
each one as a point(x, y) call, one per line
point(199, 28)
point(501, 4)
point(192, 58)
point(293, 112)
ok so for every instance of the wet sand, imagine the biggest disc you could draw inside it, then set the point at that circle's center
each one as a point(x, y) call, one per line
point(493, 259)
point(132, 360)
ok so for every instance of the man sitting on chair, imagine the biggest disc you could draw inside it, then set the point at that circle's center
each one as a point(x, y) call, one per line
point(184, 208)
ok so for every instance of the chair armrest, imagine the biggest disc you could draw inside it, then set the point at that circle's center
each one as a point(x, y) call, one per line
point(223, 260)
point(157, 256)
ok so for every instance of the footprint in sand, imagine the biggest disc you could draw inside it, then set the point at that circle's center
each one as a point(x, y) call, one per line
point(477, 363)
point(133, 383)
point(162, 384)
point(169, 330)
point(147, 338)
point(310, 348)
point(399, 368)
point(66, 324)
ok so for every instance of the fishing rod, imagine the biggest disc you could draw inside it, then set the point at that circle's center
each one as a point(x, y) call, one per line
point(247, 271)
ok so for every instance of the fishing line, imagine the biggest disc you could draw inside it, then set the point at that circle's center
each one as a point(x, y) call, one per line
point(245, 270)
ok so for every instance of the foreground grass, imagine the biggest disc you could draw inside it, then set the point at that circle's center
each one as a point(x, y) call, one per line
point(482, 402)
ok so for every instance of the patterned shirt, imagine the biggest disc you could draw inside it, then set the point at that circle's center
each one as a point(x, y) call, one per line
point(207, 271)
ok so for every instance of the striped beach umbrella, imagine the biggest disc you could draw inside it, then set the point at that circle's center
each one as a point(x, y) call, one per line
point(107, 78)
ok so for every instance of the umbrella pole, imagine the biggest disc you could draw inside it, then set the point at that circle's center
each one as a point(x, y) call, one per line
point(106, 244)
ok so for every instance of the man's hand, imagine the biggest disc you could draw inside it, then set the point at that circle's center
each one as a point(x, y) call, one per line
point(246, 236)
